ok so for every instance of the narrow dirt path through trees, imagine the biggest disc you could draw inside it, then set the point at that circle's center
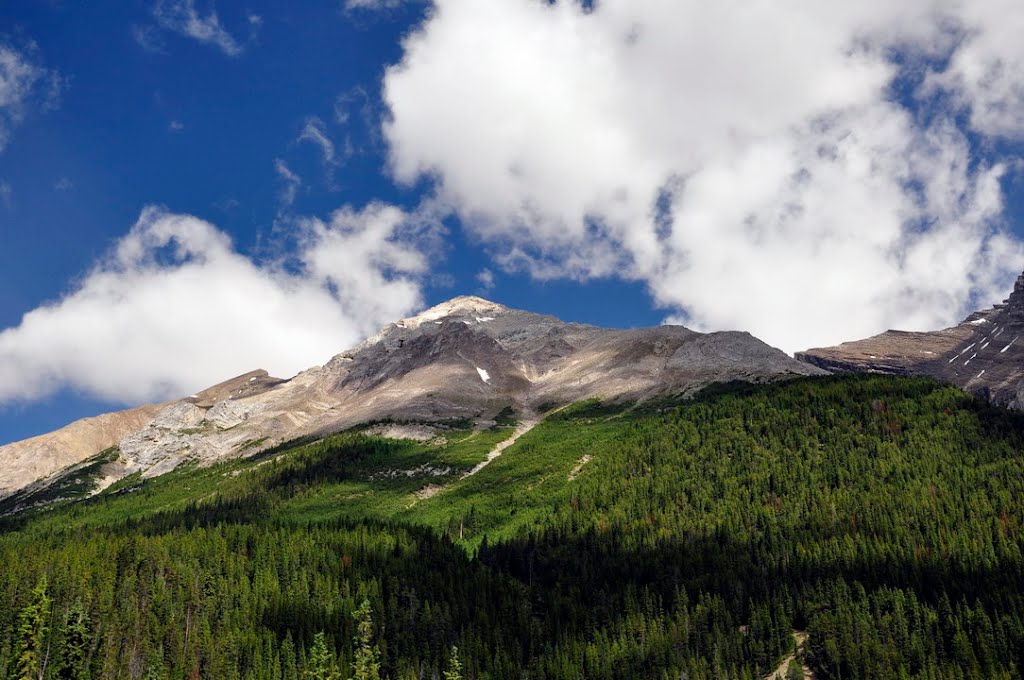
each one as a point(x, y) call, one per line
point(782, 672)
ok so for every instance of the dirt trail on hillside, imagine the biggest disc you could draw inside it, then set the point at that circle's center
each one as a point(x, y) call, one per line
point(800, 638)
point(522, 428)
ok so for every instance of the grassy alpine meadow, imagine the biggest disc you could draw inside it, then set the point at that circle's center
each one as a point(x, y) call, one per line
point(876, 521)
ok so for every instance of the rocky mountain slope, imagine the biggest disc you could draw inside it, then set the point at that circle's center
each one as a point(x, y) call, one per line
point(984, 354)
point(466, 358)
point(25, 461)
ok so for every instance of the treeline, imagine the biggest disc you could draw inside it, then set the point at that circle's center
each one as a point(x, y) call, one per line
point(882, 516)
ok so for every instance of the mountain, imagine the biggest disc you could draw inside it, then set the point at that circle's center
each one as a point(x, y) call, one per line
point(26, 461)
point(490, 519)
point(983, 354)
point(467, 358)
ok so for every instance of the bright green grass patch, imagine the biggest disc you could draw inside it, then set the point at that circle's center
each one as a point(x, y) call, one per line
point(522, 485)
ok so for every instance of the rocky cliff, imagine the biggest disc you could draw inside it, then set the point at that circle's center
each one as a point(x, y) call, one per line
point(984, 354)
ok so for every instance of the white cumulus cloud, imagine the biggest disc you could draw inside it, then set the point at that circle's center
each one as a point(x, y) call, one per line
point(984, 72)
point(755, 164)
point(175, 307)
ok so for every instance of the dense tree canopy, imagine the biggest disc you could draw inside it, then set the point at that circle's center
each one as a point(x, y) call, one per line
point(677, 539)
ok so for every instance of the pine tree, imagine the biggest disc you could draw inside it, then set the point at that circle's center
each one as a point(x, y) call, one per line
point(366, 664)
point(75, 647)
point(33, 628)
point(454, 671)
point(321, 661)
point(289, 659)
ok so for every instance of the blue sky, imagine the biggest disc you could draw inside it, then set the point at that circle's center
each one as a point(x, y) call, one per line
point(192, 189)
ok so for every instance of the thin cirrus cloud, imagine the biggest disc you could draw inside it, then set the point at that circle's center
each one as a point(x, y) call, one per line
point(290, 183)
point(315, 133)
point(175, 307)
point(751, 164)
point(354, 5)
point(24, 84)
point(182, 17)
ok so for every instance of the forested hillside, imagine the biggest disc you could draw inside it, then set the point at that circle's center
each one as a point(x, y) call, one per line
point(684, 539)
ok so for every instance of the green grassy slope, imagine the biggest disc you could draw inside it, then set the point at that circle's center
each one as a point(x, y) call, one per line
point(881, 515)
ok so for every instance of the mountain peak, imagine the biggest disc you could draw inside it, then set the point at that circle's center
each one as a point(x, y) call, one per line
point(463, 305)
point(1016, 299)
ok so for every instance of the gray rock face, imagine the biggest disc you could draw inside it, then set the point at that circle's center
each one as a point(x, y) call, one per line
point(983, 354)
point(466, 358)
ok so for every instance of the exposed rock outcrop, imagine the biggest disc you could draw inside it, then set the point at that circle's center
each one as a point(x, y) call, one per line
point(984, 354)
point(26, 461)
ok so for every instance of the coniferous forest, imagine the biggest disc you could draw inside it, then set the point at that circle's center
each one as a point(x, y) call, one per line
point(877, 521)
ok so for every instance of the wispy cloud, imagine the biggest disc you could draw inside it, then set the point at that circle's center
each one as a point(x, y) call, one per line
point(290, 182)
point(175, 126)
point(148, 38)
point(255, 24)
point(314, 131)
point(182, 17)
point(24, 84)
point(63, 184)
point(5, 194)
point(351, 5)
point(485, 277)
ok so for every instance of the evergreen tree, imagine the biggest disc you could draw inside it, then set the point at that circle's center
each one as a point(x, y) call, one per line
point(289, 659)
point(75, 646)
point(454, 671)
point(33, 630)
point(321, 660)
point(366, 664)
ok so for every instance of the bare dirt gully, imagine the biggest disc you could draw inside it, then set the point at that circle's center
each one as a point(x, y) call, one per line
point(782, 672)
point(525, 425)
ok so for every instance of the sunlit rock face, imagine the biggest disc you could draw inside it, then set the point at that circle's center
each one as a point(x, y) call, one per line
point(984, 354)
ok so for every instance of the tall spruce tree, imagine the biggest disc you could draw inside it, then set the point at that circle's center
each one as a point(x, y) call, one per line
point(366, 664)
point(33, 631)
point(75, 645)
point(321, 660)
point(454, 671)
